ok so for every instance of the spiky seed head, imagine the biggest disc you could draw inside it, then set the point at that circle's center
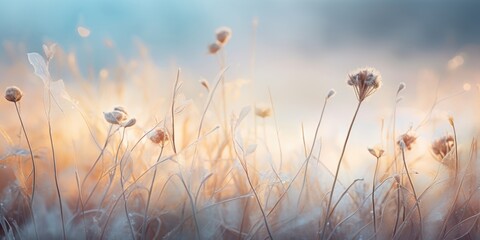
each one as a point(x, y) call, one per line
point(223, 35)
point(13, 94)
point(115, 117)
point(214, 48)
point(365, 82)
point(158, 136)
point(263, 112)
point(331, 93)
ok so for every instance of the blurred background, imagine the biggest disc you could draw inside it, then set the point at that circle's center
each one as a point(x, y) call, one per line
point(296, 49)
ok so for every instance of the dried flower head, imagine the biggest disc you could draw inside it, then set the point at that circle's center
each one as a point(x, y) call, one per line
point(158, 136)
point(263, 112)
point(441, 147)
point(13, 94)
point(376, 152)
point(120, 109)
point(365, 82)
point(331, 93)
point(129, 123)
point(407, 140)
point(223, 34)
point(213, 48)
point(115, 117)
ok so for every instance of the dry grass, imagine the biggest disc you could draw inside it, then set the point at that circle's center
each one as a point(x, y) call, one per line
point(211, 175)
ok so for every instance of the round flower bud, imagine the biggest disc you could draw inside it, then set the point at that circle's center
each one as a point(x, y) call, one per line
point(13, 94)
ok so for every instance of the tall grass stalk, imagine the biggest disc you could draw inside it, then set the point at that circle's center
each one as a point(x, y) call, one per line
point(311, 149)
point(55, 175)
point(125, 199)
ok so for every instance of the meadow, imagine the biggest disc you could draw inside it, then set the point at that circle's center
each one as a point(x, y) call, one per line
point(117, 154)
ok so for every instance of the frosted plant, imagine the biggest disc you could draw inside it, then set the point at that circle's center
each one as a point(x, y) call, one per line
point(223, 35)
point(214, 48)
point(365, 82)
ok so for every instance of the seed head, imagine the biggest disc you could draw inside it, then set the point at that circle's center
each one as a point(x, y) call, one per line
point(13, 94)
point(213, 48)
point(407, 140)
point(450, 120)
point(331, 93)
point(263, 112)
point(223, 34)
point(376, 152)
point(129, 123)
point(441, 147)
point(158, 136)
point(401, 87)
point(115, 117)
point(205, 84)
point(365, 82)
point(120, 109)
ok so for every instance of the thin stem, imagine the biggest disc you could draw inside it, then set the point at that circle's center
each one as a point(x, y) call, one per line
point(33, 170)
point(311, 151)
point(175, 88)
point(245, 168)
point(456, 152)
point(121, 184)
point(144, 230)
point(259, 205)
point(95, 163)
point(192, 204)
point(276, 128)
point(31, 154)
point(337, 171)
point(373, 199)
point(414, 192)
point(55, 164)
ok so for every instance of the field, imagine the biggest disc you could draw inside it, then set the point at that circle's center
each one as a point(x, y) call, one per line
point(143, 151)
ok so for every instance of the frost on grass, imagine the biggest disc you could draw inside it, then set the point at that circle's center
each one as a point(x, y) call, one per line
point(226, 183)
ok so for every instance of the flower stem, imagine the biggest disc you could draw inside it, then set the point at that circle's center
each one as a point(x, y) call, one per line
point(56, 176)
point(144, 230)
point(34, 175)
point(414, 192)
point(328, 213)
point(373, 199)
